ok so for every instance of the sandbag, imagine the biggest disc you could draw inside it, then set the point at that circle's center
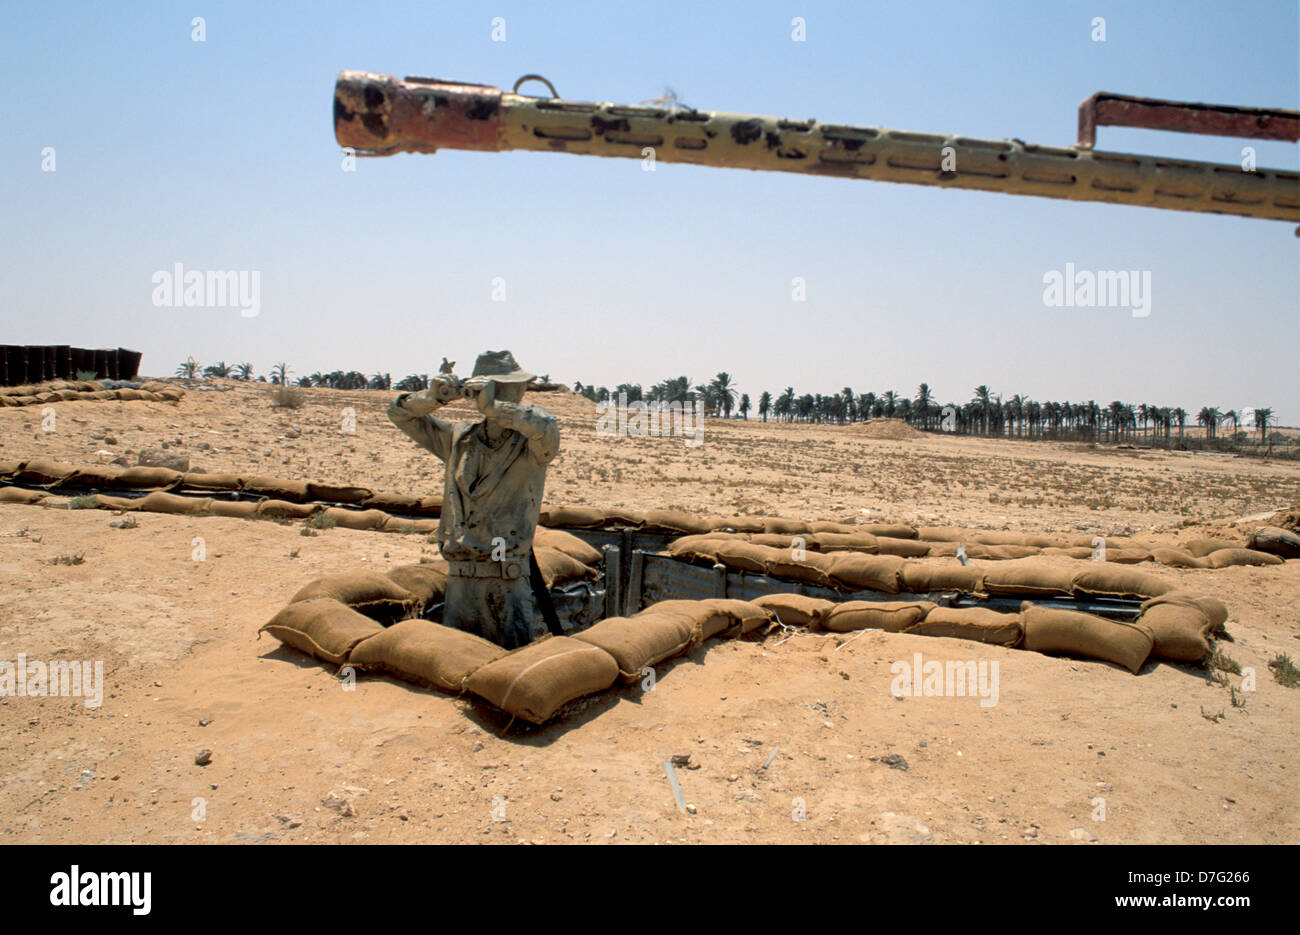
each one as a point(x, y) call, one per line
point(427, 580)
point(695, 548)
point(796, 610)
point(999, 552)
point(337, 493)
point(618, 516)
point(1028, 576)
point(277, 488)
point(537, 680)
point(813, 568)
point(834, 528)
point(675, 521)
point(1180, 628)
point(1048, 630)
point(890, 616)
point(237, 508)
point(1074, 551)
point(1222, 558)
point(1177, 558)
point(569, 544)
point(784, 525)
point(996, 537)
point(942, 549)
point(1131, 556)
point(430, 505)
point(20, 495)
point(1276, 540)
point(10, 468)
point(367, 592)
point(43, 471)
point(745, 616)
point(889, 530)
point(372, 520)
point(159, 502)
point(745, 556)
point(392, 502)
point(124, 504)
point(924, 577)
point(705, 618)
point(321, 627)
point(778, 540)
point(425, 653)
point(1118, 581)
point(872, 572)
point(194, 481)
point(848, 542)
point(746, 523)
point(643, 640)
point(283, 509)
point(1040, 541)
point(144, 478)
point(558, 568)
point(1201, 548)
point(404, 524)
point(579, 517)
point(907, 548)
point(978, 624)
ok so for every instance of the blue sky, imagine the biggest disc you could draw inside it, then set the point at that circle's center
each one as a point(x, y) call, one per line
point(220, 155)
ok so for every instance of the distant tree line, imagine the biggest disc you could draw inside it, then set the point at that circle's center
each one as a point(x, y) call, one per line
point(986, 413)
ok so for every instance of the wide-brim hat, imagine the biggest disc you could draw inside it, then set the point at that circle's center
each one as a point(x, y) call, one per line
point(500, 367)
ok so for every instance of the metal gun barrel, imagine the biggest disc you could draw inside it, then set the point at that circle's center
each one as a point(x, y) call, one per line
point(381, 115)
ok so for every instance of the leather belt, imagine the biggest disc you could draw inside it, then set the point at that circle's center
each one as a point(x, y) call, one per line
point(485, 569)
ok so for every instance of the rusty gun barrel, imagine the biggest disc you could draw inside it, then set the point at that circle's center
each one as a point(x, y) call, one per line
point(380, 115)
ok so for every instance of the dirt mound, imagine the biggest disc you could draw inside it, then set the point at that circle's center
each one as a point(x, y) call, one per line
point(893, 429)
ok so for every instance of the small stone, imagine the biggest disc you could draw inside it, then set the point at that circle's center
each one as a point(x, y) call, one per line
point(204, 721)
point(691, 809)
point(204, 758)
point(1082, 834)
point(157, 457)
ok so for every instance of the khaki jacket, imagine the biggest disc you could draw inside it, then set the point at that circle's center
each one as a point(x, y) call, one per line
point(489, 490)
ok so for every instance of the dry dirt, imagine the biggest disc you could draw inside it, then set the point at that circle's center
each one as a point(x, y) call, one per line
point(1071, 746)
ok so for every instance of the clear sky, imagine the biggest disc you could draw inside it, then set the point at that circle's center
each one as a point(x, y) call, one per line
point(220, 155)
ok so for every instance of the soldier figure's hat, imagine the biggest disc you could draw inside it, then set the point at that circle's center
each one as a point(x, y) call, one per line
point(500, 367)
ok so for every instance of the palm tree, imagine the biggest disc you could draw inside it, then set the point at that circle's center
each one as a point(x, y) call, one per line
point(219, 369)
point(724, 393)
point(1262, 418)
point(847, 393)
point(744, 405)
point(1209, 418)
point(923, 403)
point(983, 400)
point(764, 405)
point(1180, 416)
point(244, 372)
point(188, 370)
point(280, 374)
point(304, 381)
point(1230, 414)
point(785, 405)
point(891, 403)
point(380, 381)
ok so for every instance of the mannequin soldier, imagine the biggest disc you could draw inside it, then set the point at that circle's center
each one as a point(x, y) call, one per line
point(492, 492)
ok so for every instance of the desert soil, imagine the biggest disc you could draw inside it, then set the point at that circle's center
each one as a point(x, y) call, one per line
point(793, 737)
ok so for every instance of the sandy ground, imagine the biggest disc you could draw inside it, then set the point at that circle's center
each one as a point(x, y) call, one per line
point(1072, 750)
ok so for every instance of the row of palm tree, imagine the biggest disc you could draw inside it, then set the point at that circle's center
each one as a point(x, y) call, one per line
point(986, 413)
